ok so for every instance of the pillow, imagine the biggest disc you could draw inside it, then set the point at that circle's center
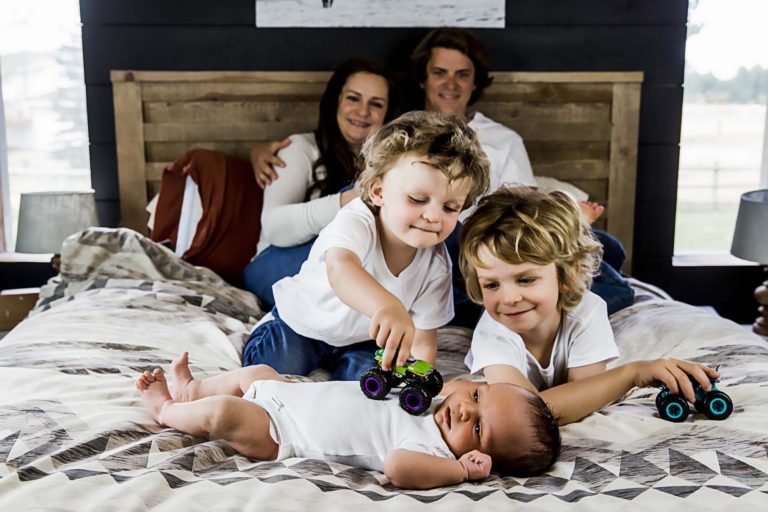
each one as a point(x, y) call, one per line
point(547, 184)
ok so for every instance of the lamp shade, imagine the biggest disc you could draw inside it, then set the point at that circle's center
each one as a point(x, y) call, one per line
point(750, 238)
point(47, 218)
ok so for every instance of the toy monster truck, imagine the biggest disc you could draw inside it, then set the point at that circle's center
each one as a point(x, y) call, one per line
point(714, 404)
point(421, 380)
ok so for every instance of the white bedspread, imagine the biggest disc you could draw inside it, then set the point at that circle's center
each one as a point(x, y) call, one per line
point(74, 434)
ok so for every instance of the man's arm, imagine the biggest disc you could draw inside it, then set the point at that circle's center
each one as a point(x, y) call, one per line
point(391, 325)
point(415, 470)
point(263, 157)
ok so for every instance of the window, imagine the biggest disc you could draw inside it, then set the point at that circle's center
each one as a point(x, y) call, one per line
point(724, 120)
point(43, 117)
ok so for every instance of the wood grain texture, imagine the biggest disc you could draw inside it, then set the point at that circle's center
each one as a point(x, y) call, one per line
point(578, 127)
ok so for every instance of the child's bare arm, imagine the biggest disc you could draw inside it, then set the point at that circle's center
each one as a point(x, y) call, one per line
point(425, 345)
point(507, 373)
point(574, 400)
point(582, 372)
point(416, 470)
point(391, 325)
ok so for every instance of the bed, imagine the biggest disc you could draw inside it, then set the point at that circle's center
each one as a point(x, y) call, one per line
point(74, 434)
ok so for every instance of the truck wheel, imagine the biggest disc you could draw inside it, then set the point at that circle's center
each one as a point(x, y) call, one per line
point(673, 408)
point(717, 405)
point(434, 382)
point(375, 383)
point(414, 400)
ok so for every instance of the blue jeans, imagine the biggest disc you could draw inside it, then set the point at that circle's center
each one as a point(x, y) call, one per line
point(609, 283)
point(271, 265)
point(466, 312)
point(274, 263)
point(274, 343)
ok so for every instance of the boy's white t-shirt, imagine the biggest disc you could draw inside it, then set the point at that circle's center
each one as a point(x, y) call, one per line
point(334, 421)
point(585, 337)
point(308, 304)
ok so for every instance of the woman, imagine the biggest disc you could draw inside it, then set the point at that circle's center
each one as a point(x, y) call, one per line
point(360, 96)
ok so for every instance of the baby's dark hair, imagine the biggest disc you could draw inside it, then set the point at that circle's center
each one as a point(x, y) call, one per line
point(542, 449)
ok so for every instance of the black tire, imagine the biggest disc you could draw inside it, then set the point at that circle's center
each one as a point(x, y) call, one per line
point(375, 383)
point(660, 397)
point(434, 383)
point(674, 408)
point(414, 400)
point(717, 405)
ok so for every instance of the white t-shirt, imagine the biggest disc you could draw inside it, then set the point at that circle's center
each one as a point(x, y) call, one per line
point(505, 150)
point(286, 219)
point(585, 337)
point(308, 304)
point(334, 421)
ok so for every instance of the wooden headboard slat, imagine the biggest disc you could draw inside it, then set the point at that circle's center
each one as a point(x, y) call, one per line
point(170, 151)
point(221, 92)
point(623, 163)
point(568, 111)
point(221, 131)
point(558, 151)
point(235, 111)
point(579, 127)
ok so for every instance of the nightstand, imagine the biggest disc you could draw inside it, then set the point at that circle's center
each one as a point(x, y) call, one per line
point(15, 304)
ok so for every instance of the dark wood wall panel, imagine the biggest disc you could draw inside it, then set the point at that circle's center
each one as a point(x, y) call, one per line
point(104, 156)
point(536, 48)
point(657, 172)
point(540, 35)
point(101, 114)
point(518, 12)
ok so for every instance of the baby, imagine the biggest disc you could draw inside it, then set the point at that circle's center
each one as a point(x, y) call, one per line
point(264, 416)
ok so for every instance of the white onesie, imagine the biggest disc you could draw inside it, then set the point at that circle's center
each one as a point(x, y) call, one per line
point(334, 421)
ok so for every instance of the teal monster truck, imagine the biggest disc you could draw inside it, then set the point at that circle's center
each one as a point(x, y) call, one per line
point(420, 379)
point(714, 404)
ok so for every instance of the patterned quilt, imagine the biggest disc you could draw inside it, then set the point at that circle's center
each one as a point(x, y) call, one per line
point(74, 434)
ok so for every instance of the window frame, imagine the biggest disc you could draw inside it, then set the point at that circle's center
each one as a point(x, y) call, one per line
point(4, 183)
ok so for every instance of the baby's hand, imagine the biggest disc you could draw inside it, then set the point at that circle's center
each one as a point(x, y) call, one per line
point(674, 373)
point(476, 464)
point(392, 327)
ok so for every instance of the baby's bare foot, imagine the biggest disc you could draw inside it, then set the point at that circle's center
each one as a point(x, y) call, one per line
point(591, 210)
point(154, 390)
point(184, 386)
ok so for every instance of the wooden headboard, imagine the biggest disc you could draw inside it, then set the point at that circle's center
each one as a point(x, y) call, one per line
point(579, 127)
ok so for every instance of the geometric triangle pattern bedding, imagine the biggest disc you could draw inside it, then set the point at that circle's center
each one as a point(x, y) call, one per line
point(73, 433)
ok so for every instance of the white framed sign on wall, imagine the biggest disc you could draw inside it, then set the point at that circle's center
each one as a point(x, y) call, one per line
point(380, 13)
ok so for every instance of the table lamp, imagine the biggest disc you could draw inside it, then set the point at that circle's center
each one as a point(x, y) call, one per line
point(750, 242)
point(47, 218)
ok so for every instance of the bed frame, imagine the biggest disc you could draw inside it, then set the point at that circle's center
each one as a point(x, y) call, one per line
point(579, 127)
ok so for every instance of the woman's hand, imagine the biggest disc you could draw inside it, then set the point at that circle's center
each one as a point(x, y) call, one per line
point(392, 327)
point(263, 157)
